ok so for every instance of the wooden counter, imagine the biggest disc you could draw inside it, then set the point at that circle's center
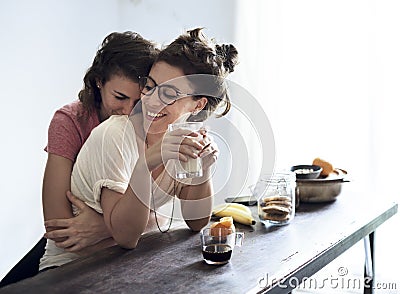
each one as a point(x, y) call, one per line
point(172, 262)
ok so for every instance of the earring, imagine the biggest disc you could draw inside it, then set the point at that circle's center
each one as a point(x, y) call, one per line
point(195, 112)
point(98, 86)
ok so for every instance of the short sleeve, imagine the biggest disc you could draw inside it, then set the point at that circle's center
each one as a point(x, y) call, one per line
point(63, 136)
point(117, 154)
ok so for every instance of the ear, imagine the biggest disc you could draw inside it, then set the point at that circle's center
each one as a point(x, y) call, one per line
point(98, 83)
point(200, 104)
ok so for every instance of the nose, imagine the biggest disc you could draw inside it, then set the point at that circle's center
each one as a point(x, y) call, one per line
point(127, 107)
point(152, 100)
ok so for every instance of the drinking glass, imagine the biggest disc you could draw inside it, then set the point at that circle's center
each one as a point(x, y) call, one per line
point(217, 244)
point(193, 167)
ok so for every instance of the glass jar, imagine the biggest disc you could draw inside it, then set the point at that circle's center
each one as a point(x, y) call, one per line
point(276, 197)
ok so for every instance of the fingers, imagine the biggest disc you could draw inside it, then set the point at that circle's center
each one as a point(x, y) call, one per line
point(176, 155)
point(74, 248)
point(66, 244)
point(206, 153)
point(75, 201)
point(62, 239)
point(182, 147)
point(57, 223)
point(185, 137)
point(183, 132)
point(209, 156)
point(210, 147)
point(183, 144)
point(189, 151)
point(188, 141)
point(56, 234)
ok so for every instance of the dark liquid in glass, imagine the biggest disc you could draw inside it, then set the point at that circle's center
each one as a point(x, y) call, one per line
point(218, 253)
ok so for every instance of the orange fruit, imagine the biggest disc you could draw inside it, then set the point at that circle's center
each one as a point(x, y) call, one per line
point(224, 227)
point(226, 221)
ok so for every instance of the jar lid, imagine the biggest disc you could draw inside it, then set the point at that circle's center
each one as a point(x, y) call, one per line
point(278, 176)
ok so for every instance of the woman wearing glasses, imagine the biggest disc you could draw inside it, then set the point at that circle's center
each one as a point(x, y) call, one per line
point(122, 170)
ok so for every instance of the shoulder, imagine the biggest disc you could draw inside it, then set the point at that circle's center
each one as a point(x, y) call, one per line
point(69, 128)
point(117, 128)
point(75, 116)
point(69, 112)
point(72, 109)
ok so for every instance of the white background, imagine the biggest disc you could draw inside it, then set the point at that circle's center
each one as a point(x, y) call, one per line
point(326, 73)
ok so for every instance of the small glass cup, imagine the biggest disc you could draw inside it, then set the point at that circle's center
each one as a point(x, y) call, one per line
point(276, 198)
point(193, 167)
point(217, 244)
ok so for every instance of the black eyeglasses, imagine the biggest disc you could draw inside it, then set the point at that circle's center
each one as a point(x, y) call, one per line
point(168, 94)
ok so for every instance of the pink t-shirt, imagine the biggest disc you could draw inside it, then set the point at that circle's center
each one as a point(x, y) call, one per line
point(67, 132)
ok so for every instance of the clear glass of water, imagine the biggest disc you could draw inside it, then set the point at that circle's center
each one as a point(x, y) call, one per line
point(193, 167)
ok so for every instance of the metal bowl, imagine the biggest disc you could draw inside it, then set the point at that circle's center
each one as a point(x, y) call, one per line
point(321, 189)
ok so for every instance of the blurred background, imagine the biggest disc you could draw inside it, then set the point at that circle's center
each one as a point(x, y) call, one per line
point(326, 74)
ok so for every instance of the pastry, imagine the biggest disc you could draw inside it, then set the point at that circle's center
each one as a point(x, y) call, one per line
point(327, 167)
point(276, 209)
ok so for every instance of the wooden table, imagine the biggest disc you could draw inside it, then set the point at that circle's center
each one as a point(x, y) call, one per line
point(272, 259)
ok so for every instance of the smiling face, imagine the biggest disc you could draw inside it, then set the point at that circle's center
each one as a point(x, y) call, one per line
point(156, 114)
point(119, 94)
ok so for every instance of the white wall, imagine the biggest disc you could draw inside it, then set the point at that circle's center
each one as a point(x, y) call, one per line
point(45, 50)
point(327, 74)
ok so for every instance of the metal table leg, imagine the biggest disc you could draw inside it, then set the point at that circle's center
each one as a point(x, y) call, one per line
point(369, 268)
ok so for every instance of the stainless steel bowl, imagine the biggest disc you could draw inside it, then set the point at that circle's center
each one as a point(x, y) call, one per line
point(321, 189)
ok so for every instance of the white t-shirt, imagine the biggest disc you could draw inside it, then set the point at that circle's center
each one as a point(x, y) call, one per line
point(107, 159)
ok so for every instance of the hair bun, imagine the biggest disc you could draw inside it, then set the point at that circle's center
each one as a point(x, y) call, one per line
point(228, 55)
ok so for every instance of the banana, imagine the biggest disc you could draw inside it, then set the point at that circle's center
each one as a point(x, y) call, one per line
point(238, 215)
point(235, 205)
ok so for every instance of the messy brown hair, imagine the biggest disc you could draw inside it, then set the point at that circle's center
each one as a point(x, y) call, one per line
point(126, 54)
point(195, 54)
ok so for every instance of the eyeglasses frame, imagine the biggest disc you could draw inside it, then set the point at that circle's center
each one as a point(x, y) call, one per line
point(150, 92)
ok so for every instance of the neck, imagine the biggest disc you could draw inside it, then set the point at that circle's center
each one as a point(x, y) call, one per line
point(101, 115)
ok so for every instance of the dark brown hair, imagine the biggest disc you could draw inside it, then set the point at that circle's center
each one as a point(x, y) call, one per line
point(195, 54)
point(127, 54)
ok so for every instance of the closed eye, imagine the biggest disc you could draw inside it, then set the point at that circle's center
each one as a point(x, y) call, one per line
point(120, 96)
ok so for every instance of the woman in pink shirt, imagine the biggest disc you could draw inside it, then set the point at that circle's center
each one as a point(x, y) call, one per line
point(110, 87)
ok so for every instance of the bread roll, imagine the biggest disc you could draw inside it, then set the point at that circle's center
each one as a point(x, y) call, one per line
point(327, 167)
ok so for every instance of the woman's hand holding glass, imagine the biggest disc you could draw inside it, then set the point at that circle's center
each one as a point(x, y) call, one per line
point(183, 144)
point(209, 153)
point(178, 144)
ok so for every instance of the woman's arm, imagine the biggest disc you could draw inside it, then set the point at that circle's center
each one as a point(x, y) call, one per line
point(56, 183)
point(69, 232)
point(197, 198)
point(196, 203)
point(126, 215)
